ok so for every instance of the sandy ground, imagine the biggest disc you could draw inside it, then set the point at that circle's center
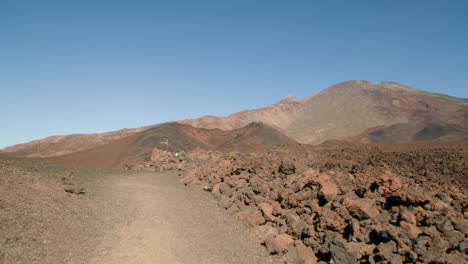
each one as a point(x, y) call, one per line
point(161, 221)
point(137, 217)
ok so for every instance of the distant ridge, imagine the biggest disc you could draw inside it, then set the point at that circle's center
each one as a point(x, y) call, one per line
point(386, 112)
point(348, 109)
point(138, 147)
point(65, 144)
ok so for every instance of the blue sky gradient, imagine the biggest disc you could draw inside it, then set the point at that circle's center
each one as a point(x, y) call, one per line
point(94, 66)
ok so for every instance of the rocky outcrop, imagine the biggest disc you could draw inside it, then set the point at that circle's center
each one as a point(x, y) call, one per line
point(307, 213)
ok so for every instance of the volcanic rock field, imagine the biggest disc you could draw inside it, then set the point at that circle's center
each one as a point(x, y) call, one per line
point(346, 203)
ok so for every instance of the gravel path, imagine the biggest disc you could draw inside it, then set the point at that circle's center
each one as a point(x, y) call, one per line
point(158, 220)
point(123, 217)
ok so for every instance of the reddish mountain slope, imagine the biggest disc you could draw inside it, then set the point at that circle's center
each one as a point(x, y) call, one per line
point(279, 116)
point(61, 145)
point(138, 147)
point(413, 132)
point(349, 108)
point(353, 110)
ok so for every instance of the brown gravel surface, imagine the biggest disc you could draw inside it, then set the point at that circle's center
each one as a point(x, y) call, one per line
point(57, 215)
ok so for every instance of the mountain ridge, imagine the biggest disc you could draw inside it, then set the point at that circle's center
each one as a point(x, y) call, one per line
point(344, 111)
point(138, 147)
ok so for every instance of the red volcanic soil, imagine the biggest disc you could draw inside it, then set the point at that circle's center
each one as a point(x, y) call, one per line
point(138, 147)
point(105, 156)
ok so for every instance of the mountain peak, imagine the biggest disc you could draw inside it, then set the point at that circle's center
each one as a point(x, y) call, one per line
point(288, 99)
point(363, 84)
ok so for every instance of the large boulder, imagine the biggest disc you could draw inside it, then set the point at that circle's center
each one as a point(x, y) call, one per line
point(251, 217)
point(411, 229)
point(298, 253)
point(278, 244)
point(360, 249)
point(263, 231)
point(328, 189)
point(330, 220)
point(389, 182)
point(267, 211)
point(361, 208)
point(158, 155)
point(340, 255)
point(286, 169)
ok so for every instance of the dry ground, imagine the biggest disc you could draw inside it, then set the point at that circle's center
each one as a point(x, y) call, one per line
point(137, 217)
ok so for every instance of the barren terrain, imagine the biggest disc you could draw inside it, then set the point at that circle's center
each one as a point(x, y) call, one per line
point(58, 215)
point(338, 202)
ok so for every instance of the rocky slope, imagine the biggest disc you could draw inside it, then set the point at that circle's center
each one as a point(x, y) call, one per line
point(347, 203)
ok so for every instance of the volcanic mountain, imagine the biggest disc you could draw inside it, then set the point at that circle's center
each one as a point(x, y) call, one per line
point(181, 137)
point(358, 110)
point(361, 111)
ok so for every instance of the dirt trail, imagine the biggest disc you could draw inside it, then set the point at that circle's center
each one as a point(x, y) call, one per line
point(154, 219)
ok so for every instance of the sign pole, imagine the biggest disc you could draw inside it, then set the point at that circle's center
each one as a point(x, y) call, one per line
point(167, 148)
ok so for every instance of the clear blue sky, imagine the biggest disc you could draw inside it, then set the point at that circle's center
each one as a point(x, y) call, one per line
point(94, 66)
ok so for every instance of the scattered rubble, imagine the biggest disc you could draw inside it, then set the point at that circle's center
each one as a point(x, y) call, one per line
point(160, 160)
point(71, 185)
point(345, 205)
